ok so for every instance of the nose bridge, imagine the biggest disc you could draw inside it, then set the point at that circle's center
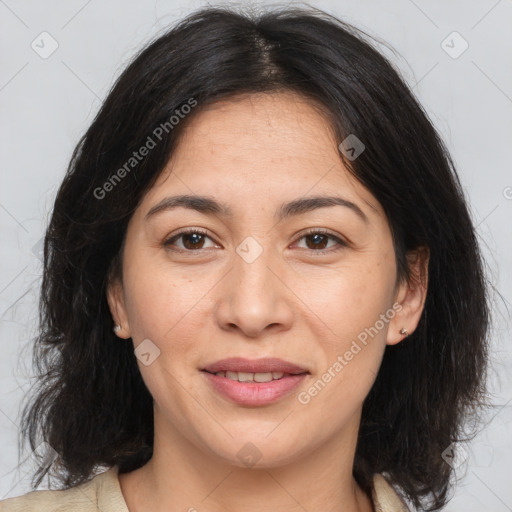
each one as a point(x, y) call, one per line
point(251, 263)
point(252, 274)
point(252, 296)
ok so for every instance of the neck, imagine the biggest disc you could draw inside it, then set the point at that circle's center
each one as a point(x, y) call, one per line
point(180, 476)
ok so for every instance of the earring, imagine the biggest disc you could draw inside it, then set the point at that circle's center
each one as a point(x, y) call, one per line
point(116, 328)
point(404, 331)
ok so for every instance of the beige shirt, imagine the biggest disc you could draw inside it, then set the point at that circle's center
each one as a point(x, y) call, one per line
point(103, 494)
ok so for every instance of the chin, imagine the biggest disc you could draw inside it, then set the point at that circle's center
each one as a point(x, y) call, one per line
point(259, 451)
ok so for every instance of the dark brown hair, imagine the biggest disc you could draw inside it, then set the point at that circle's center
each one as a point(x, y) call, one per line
point(90, 403)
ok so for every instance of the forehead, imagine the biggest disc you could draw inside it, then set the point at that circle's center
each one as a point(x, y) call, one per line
point(258, 148)
point(274, 125)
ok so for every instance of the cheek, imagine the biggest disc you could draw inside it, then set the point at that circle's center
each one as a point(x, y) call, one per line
point(351, 350)
point(167, 306)
point(159, 297)
point(355, 303)
point(351, 298)
point(149, 308)
point(166, 309)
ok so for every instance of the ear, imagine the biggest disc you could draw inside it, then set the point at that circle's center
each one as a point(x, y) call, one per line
point(411, 296)
point(116, 303)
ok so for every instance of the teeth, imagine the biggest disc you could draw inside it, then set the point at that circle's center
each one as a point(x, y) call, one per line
point(251, 377)
point(246, 377)
point(262, 377)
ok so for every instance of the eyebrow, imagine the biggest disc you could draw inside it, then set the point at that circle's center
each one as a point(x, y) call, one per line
point(210, 206)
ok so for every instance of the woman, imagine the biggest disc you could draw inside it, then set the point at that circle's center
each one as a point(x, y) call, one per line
point(262, 286)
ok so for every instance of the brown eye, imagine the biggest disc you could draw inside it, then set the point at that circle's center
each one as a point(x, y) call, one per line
point(319, 240)
point(192, 240)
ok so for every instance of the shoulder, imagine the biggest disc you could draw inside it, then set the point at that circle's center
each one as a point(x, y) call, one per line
point(102, 492)
point(385, 498)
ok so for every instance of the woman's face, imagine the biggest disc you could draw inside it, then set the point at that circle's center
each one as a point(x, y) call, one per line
point(271, 274)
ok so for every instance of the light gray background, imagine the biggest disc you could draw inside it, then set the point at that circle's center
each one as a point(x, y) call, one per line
point(46, 104)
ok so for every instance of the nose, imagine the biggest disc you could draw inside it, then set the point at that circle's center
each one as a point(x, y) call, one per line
point(254, 298)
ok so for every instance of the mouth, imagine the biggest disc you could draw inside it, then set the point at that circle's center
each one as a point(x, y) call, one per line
point(264, 366)
point(253, 377)
point(254, 382)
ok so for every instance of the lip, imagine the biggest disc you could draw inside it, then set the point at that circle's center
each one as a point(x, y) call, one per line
point(264, 365)
point(255, 393)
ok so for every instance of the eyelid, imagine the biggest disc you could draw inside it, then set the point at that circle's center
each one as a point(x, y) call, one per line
point(330, 234)
point(187, 231)
point(299, 236)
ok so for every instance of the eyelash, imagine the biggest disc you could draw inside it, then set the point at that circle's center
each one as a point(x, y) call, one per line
point(313, 231)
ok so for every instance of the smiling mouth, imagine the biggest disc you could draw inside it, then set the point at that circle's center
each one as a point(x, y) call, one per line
point(254, 377)
point(254, 382)
point(254, 389)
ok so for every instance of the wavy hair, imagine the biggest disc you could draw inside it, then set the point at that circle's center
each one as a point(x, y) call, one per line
point(89, 402)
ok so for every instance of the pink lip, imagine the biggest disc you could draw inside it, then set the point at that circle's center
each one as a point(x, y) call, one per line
point(254, 393)
point(264, 365)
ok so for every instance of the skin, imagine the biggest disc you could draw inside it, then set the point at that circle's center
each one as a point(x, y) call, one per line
point(293, 302)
